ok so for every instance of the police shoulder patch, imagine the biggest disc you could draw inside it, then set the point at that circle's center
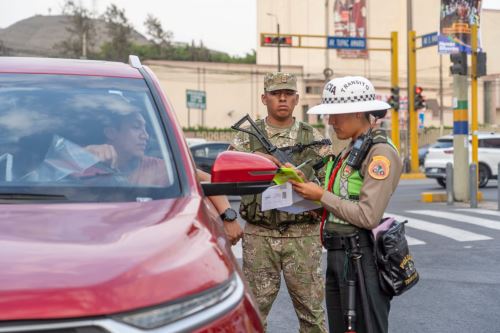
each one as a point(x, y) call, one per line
point(379, 167)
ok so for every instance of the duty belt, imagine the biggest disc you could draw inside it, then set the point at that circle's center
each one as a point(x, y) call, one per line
point(341, 242)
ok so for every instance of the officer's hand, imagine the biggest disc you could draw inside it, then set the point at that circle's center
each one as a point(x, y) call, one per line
point(298, 171)
point(309, 191)
point(105, 153)
point(233, 231)
point(269, 157)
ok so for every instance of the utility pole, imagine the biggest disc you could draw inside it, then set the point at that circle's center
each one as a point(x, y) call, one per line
point(412, 112)
point(279, 39)
point(460, 138)
point(327, 30)
point(441, 107)
point(279, 48)
point(84, 45)
point(395, 85)
point(474, 120)
point(409, 27)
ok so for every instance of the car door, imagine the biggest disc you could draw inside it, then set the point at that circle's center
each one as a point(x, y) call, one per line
point(489, 152)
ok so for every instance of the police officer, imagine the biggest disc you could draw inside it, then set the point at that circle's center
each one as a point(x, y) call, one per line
point(276, 242)
point(358, 186)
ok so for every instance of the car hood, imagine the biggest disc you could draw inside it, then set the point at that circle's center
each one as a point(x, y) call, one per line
point(77, 260)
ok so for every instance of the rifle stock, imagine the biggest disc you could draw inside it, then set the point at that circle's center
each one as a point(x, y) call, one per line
point(264, 141)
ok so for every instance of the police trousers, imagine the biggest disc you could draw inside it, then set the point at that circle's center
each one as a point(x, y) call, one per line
point(339, 268)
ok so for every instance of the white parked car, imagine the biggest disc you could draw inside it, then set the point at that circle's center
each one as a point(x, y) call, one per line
point(441, 152)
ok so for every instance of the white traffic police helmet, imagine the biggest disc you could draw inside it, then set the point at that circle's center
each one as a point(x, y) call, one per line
point(348, 94)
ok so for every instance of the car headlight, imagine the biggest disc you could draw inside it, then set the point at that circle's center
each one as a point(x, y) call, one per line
point(168, 313)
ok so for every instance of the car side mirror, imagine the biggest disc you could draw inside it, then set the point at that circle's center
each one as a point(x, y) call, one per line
point(238, 173)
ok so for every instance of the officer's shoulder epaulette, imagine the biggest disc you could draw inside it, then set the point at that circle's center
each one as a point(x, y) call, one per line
point(379, 136)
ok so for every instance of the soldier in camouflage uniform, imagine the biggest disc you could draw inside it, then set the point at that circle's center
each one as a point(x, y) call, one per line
point(275, 241)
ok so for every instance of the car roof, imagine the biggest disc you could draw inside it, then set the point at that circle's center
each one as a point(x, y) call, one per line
point(29, 65)
point(480, 135)
point(209, 143)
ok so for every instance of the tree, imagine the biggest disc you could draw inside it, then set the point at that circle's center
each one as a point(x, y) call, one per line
point(3, 49)
point(120, 31)
point(81, 31)
point(161, 39)
point(156, 33)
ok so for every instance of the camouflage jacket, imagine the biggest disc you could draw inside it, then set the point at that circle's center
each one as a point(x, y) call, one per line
point(281, 137)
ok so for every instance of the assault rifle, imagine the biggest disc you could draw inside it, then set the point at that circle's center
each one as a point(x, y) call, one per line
point(284, 155)
point(299, 147)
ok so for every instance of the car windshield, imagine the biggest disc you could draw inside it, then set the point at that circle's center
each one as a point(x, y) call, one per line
point(443, 144)
point(82, 139)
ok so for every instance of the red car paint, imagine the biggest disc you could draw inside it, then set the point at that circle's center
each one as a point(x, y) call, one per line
point(86, 260)
point(239, 165)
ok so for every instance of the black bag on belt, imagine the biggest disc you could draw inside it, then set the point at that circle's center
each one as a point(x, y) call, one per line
point(396, 268)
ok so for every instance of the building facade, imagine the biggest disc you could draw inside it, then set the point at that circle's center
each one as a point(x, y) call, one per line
point(373, 19)
point(233, 90)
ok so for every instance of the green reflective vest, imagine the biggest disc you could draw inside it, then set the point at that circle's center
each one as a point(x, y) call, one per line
point(348, 183)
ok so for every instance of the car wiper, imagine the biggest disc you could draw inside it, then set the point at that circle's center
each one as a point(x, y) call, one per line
point(31, 197)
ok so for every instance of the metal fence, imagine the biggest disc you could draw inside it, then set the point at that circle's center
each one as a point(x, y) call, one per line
point(425, 136)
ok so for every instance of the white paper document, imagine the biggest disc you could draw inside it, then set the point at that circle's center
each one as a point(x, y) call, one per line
point(283, 197)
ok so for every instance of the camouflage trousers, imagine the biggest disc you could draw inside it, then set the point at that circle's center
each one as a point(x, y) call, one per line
point(299, 258)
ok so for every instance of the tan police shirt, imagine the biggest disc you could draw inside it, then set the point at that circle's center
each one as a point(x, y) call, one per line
point(381, 171)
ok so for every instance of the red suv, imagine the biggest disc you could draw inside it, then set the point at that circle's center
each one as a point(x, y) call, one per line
point(103, 225)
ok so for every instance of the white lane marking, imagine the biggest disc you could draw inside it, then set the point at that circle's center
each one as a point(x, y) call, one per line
point(480, 211)
point(414, 241)
point(460, 218)
point(442, 230)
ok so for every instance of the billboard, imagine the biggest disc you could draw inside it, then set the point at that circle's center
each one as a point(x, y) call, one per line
point(457, 18)
point(349, 20)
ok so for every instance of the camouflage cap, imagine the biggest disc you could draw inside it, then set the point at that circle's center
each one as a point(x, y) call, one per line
point(279, 80)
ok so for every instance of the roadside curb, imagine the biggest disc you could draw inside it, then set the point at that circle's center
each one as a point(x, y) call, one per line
point(417, 175)
point(442, 197)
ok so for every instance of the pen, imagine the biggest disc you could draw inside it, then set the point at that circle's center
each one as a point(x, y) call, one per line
point(303, 164)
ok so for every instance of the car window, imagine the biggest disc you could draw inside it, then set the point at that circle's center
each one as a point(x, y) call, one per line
point(57, 132)
point(442, 144)
point(209, 151)
point(215, 150)
point(490, 143)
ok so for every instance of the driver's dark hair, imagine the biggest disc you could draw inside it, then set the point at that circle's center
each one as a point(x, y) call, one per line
point(377, 114)
point(113, 118)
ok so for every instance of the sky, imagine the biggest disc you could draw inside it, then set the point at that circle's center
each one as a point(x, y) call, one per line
point(223, 25)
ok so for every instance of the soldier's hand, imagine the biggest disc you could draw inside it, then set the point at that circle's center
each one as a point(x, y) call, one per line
point(233, 231)
point(269, 157)
point(309, 191)
point(105, 153)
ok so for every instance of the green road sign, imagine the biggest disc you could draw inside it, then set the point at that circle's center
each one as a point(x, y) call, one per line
point(196, 99)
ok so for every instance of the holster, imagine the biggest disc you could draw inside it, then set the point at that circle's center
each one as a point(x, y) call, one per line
point(342, 242)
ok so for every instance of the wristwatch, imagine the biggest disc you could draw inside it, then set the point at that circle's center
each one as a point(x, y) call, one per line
point(229, 215)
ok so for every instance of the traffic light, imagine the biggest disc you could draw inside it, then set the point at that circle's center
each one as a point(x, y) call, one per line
point(419, 99)
point(481, 64)
point(458, 63)
point(394, 99)
point(272, 40)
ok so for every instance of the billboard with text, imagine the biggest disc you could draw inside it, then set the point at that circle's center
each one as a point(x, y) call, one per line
point(349, 19)
point(457, 18)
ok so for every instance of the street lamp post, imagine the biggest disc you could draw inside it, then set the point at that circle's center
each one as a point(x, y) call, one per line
point(279, 39)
